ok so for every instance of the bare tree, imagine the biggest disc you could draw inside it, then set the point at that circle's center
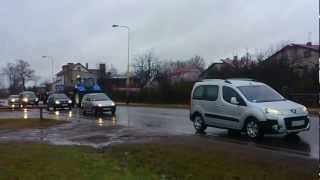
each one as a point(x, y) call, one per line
point(18, 74)
point(198, 62)
point(25, 73)
point(146, 67)
point(11, 72)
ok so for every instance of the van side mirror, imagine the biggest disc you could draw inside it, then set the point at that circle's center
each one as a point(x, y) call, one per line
point(234, 100)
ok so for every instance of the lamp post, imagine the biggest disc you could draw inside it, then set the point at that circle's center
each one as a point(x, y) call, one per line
point(52, 76)
point(128, 68)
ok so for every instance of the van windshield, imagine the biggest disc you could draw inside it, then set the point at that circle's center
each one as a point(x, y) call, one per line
point(260, 93)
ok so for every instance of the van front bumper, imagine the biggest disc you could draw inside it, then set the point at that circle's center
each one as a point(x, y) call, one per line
point(286, 125)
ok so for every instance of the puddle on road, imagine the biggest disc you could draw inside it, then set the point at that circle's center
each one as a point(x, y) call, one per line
point(106, 121)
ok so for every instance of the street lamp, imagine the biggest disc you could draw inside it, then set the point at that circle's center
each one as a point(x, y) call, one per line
point(51, 58)
point(128, 68)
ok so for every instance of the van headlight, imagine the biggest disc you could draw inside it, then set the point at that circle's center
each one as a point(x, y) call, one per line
point(57, 102)
point(69, 101)
point(112, 103)
point(305, 110)
point(25, 99)
point(272, 111)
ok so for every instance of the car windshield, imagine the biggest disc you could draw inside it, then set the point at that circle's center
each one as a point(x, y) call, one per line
point(260, 93)
point(13, 96)
point(100, 97)
point(60, 96)
point(29, 94)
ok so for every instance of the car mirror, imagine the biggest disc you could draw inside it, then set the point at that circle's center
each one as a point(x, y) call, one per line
point(234, 100)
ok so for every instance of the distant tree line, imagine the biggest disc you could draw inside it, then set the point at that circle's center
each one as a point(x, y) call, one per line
point(155, 80)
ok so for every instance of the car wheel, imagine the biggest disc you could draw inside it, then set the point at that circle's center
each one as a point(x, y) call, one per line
point(234, 133)
point(253, 129)
point(199, 124)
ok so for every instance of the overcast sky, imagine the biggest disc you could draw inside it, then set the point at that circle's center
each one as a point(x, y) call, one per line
point(80, 30)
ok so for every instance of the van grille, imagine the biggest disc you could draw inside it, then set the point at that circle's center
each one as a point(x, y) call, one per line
point(288, 122)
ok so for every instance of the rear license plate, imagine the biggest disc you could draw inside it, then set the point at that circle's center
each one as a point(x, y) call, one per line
point(297, 123)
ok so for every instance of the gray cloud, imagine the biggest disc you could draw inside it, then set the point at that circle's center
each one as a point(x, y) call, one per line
point(81, 30)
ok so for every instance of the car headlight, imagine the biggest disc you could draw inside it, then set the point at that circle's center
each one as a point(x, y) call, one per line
point(69, 101)
point(25, 99)
point(13, 100)
point(37, 99)
point(57, 102)
point(272, 111)
point(112, 104)
point(99, 105)
point(305, 110)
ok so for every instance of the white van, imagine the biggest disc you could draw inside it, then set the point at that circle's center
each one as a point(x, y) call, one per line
point(245, 105)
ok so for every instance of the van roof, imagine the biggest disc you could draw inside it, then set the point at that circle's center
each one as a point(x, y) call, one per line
point(231, 81)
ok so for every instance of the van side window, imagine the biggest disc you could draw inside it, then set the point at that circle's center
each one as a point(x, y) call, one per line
point(198, 93)
point(212, 92)
point(228, 93)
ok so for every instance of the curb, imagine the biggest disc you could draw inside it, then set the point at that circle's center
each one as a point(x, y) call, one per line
point(178, 106)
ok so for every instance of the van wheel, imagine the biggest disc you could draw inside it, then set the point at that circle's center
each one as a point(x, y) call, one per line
point(199, 124)
point(253, 129)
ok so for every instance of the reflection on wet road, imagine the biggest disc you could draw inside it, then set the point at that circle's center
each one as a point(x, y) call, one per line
point(176, 122)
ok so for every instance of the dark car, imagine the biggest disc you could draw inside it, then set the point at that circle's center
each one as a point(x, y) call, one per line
point(13, 101)
point(59, 101)
point(28, 98)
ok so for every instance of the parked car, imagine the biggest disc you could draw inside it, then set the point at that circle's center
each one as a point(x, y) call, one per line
point(97, 103)
point(245, 105)
point(59, 101)
point(13, 101)
point(28, 98)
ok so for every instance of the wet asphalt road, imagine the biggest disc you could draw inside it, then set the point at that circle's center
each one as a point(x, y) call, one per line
point(170, 121)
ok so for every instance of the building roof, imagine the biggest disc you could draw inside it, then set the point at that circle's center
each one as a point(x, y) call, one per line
point(307, 46)
point(211, 66)
point(72, 65)
point(311, 47)
point(183, 70)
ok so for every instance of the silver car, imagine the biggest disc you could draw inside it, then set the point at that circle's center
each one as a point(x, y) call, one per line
point(13, 101)
point(97, 103)
point(245, 105)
